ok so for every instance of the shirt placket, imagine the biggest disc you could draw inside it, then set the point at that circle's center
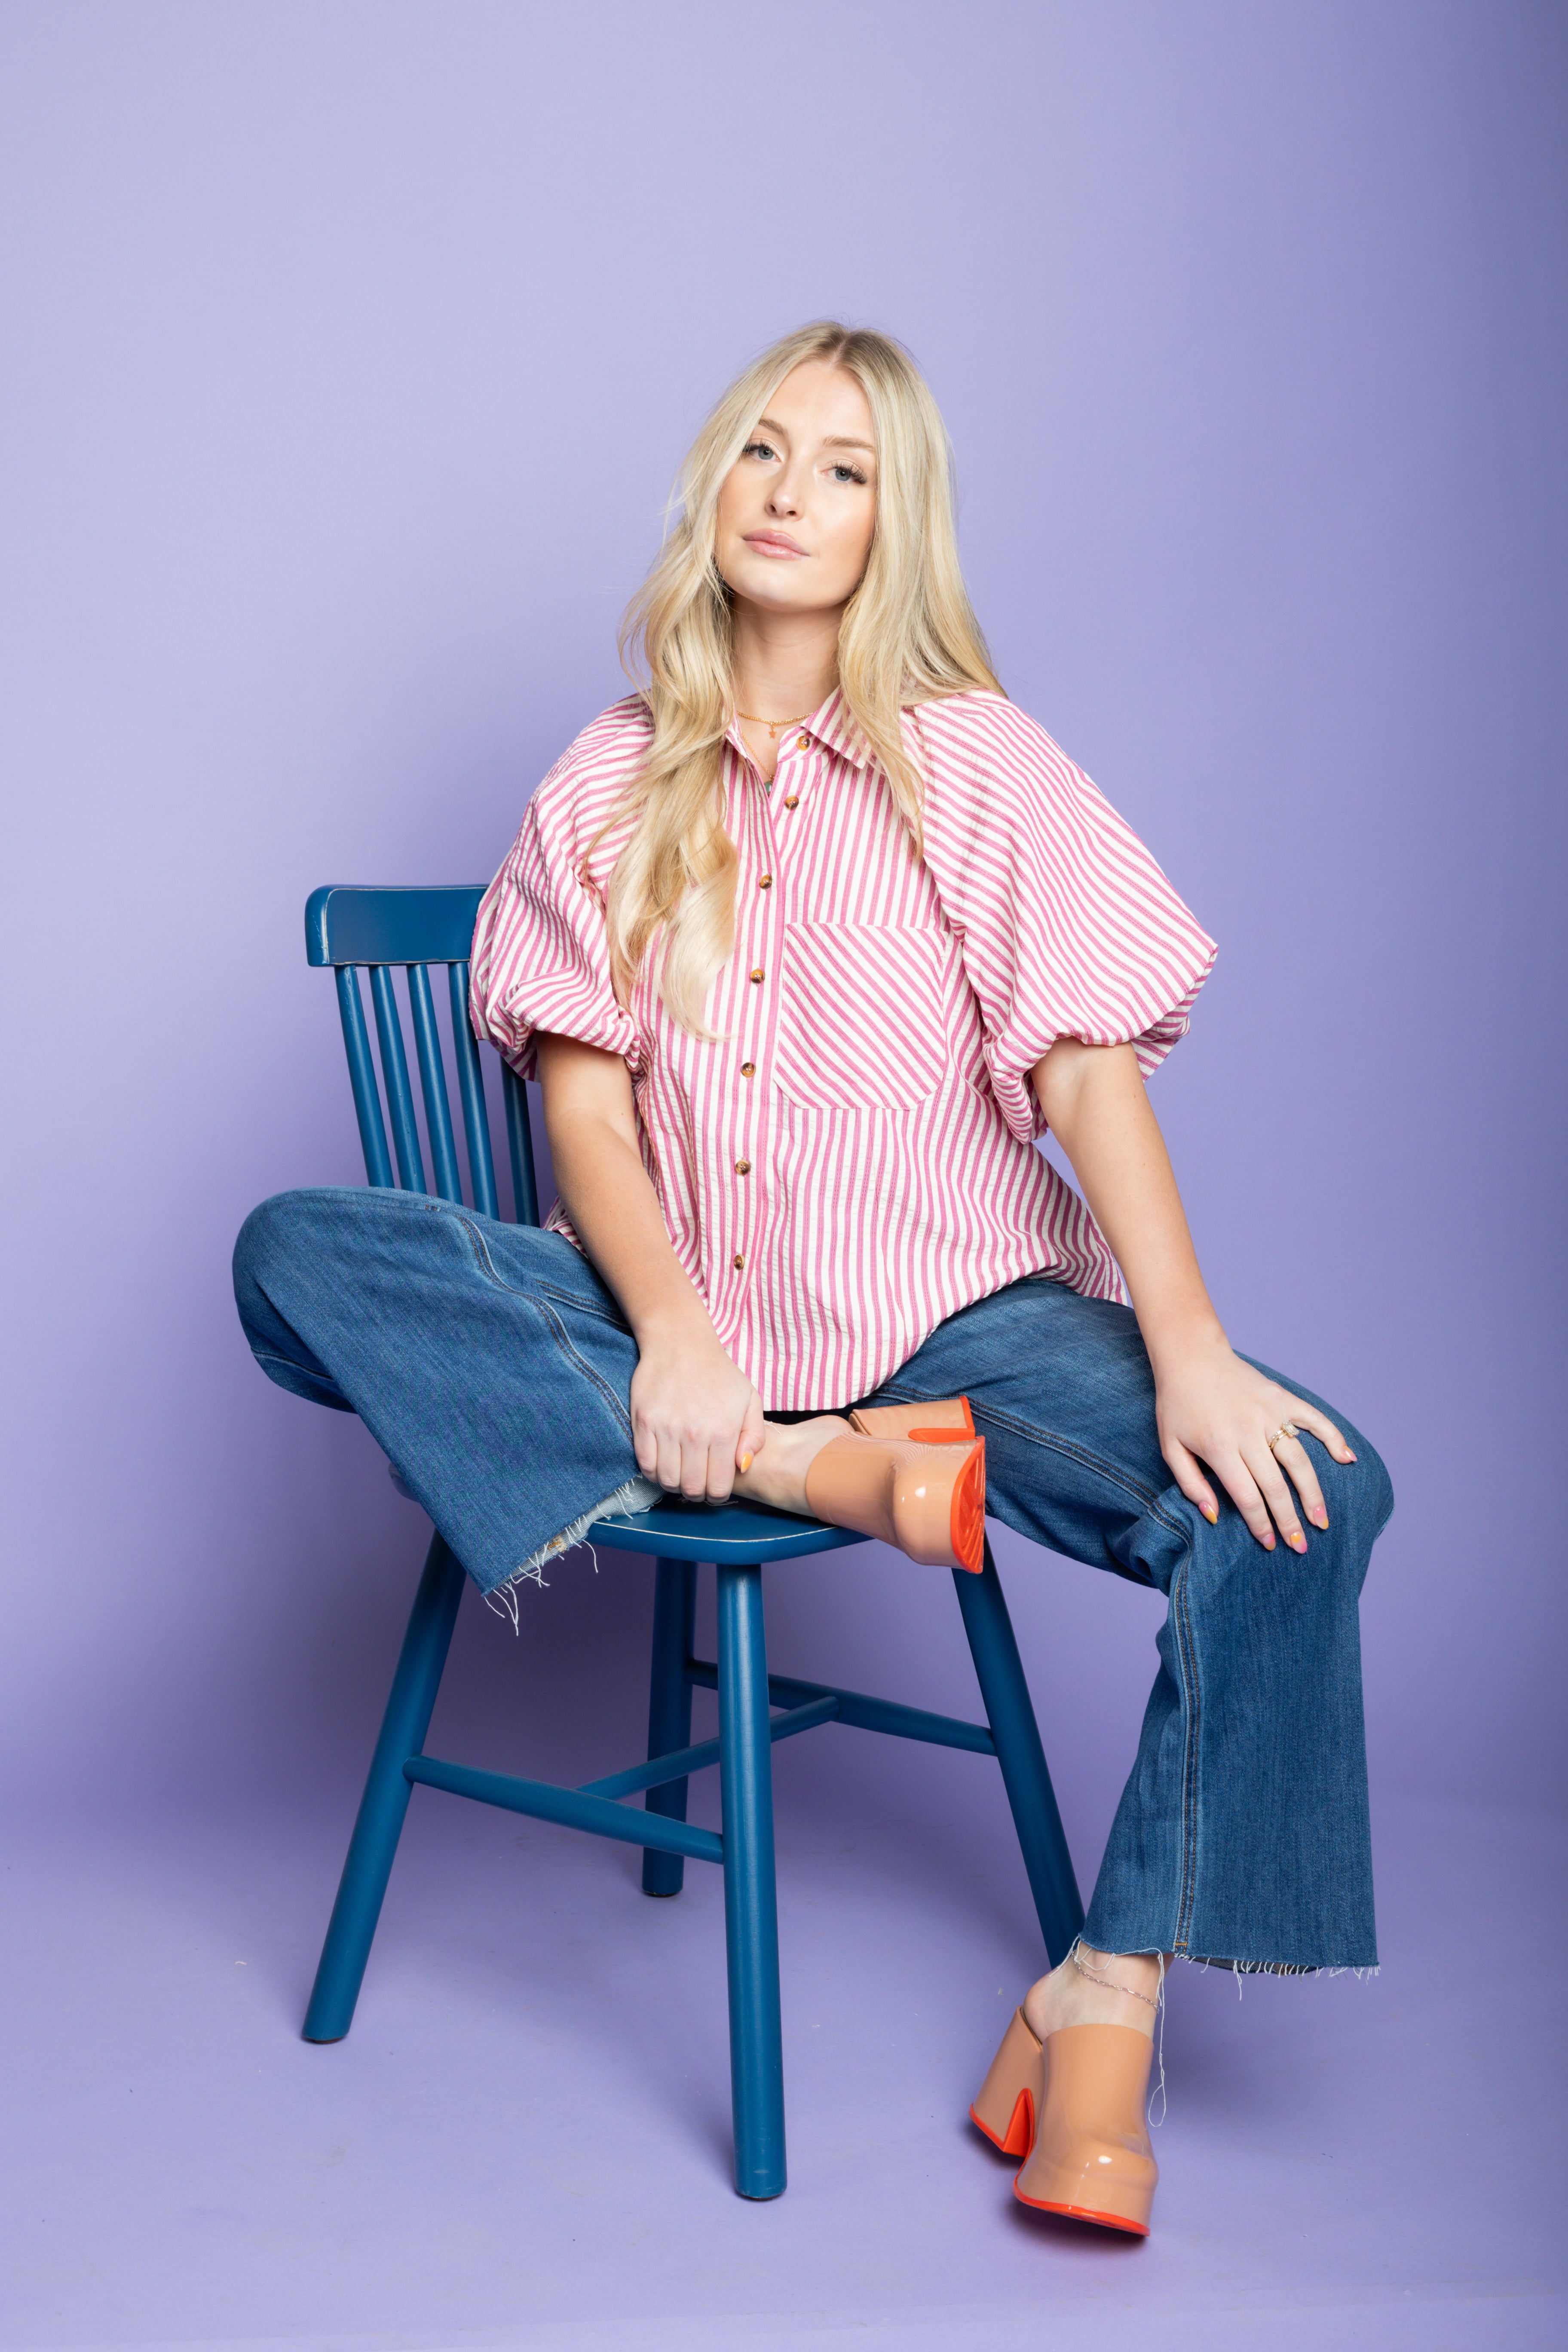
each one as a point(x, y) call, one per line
point(759, 944)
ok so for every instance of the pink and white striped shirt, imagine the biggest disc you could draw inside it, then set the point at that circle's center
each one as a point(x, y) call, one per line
point(855, 1159)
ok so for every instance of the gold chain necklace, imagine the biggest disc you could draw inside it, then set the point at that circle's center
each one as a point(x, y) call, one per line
point(775, 726)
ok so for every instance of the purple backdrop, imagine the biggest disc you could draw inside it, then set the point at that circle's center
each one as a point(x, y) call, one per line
point(350, 351)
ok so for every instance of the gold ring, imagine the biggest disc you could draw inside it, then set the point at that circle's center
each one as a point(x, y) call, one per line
point(1286, 1429)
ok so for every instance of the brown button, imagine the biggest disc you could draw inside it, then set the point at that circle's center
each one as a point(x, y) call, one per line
point(791, 800)
point(803, 743)
point(765, 881)
point(759, 973)
point(738, 1262)
point(742, 1167)
point(748, 1069)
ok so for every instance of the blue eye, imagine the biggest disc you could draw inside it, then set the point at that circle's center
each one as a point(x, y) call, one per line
point(848, 474)
point(758, 449)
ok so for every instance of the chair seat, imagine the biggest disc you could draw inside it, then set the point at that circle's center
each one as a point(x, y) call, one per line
point(678, 1530)
point(681, 1531)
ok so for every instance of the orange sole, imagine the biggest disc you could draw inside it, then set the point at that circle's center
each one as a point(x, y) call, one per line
point(948, 1436)
point(1020, 2134)
point(966, 1522)
point(1083, 2213)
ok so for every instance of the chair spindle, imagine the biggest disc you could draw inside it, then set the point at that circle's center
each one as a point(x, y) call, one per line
point(361, 1078)
point(471, 1091)
point(395, 1075)
point(433, 1085)
point(520, 1140)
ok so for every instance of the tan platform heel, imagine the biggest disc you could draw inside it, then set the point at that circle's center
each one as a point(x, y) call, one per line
point(949, 1423)
point(1012, 2092)
point(1082, 2097)
point(928, 1500)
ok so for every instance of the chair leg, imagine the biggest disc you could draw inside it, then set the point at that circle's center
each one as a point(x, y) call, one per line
point(669, 1708)
point(379, 1825)
point(751, 1906)
point(1025, 1775)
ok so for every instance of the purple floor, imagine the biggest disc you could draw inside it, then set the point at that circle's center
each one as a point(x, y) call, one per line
point(524, 2141)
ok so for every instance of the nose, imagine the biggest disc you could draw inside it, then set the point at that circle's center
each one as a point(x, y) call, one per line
point(784, 499)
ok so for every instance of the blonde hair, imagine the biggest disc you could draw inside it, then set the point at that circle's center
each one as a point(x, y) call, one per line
point(908, 635)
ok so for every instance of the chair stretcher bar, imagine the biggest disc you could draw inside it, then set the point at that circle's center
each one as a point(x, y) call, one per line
point(866, 1714)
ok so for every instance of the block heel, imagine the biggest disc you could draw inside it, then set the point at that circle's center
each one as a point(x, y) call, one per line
point(1074, 2109)
point(1012, 2092)
point(929, 1500)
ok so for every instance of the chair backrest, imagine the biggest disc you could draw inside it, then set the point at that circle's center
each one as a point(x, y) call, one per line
point(380, 928)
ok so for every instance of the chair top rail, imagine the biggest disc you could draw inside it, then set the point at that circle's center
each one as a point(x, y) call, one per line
point(354, 923)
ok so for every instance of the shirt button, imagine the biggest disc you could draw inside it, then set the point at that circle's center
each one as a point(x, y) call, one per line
point(759, 973)
point(738, 1262)
point(803, 743)
point(748, 1069)
point(742, 1167)
point(791, 800)
point(765, 881)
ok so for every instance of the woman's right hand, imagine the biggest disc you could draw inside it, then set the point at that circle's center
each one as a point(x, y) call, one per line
point(695, 1416)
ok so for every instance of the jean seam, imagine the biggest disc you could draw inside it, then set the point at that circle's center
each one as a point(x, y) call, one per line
point(537, 1290)
point(563, 1342)
point(292, 1364)
point(1181, 1619)
point(582, 1305)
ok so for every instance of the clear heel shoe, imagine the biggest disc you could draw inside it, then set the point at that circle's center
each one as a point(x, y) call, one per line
point(1073, 2108)
point(924, 1494)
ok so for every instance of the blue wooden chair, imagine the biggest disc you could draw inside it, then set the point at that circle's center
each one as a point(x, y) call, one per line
point(380, 929)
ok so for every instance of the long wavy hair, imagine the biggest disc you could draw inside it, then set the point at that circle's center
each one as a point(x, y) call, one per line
point(908, 635)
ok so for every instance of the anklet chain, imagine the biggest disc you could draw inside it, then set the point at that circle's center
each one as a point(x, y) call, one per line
point(1094, 1977)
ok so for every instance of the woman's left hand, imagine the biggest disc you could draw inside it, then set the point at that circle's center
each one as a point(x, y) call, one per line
point(1214, 1409)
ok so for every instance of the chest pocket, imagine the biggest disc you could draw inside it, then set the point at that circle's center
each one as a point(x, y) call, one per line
point(862, 1015)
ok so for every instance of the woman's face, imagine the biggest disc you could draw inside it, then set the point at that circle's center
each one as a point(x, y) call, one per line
point(799, 505)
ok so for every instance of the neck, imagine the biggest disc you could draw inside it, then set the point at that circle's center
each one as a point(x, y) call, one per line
point(785, 664)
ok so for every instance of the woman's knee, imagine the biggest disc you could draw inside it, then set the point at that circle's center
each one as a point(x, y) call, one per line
point(287, 1243)
point(274, 1238)
point(1359, 1497)
point(263, 1242)
point(1359, 1494)
point(1363, 1486)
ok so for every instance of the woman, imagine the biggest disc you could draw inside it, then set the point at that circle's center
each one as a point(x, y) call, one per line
point(810, 941)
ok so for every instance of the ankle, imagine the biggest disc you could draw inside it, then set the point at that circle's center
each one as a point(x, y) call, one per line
point(1140, 1974)
point(777, 1474)
point(1095, 1988)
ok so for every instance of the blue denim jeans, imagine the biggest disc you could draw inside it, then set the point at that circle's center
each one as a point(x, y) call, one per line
point(494, 1368)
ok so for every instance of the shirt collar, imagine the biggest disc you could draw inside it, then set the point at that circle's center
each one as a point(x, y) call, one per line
point(830, 724)
point(835, 730)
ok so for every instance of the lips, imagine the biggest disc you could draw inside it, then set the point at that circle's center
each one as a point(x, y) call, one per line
point(774, 542)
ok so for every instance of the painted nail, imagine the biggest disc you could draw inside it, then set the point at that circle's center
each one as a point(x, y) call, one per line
point(1210, 1514)
point(1268, 1540)
point(1319, 1514)
point(746, 1462)
point(1298, 1542)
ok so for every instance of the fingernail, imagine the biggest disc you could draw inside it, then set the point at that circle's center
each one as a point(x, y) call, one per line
point(1268, 1540)
point(1298, 1542)
point(1320, 1517)
point(1210, 1514)
point(1349, 1455)
point(745, 1462)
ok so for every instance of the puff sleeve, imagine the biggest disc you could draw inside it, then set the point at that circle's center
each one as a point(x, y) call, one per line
point(541, 957)
point(1066, 926)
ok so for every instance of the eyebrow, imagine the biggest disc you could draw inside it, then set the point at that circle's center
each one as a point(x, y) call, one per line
point(832, 440)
